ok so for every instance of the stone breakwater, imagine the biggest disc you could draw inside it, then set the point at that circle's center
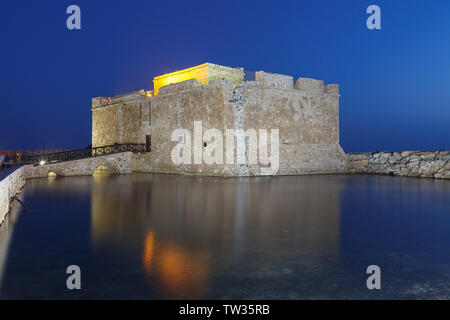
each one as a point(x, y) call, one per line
point(118, 163)
point(434, 164)
point(9, 186)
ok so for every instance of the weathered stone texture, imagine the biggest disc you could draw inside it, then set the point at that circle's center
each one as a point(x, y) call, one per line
point(122, 119)
point(204, 73)
point(116, 163)
point(307, 117)
point(312, 85)
point(9, 186)
point(177, 106)
point(434, 164)
point(272, 80)
point(307, 123)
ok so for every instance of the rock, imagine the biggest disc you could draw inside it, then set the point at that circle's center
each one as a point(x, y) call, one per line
point(404, 160)
point(428, 155)
point(395, 158)
point(438, 164)
point(404, 171)
point(359, 165)
point(414, 172)
point(398, 166)
point(406, 153)
point(406, 163)
point(444, 157)
point(446, 166)
point(412, 164)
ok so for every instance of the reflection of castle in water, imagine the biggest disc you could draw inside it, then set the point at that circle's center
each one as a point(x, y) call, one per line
point(186, 225)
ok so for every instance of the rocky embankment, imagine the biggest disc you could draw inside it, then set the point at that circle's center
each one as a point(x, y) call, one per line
point(434, 164)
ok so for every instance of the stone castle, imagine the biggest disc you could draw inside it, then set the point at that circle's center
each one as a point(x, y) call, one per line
point(306, 113)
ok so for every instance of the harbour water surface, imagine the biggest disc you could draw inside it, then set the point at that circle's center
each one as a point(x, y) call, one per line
point(146, 236)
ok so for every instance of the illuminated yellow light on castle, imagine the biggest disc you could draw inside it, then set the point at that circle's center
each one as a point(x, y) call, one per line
point(203, 73)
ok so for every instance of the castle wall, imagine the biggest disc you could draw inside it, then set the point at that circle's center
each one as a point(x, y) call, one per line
point(308, 122)
point(122, 119)
point(178, 106)
point(199, 72)
point(203, 73)
point(216, 71)
point(306, 115)
point(307, 119)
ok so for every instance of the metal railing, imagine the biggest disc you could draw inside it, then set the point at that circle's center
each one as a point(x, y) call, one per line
point(85, 153)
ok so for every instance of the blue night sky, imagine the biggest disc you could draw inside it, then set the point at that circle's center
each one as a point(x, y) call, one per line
point(395, 82)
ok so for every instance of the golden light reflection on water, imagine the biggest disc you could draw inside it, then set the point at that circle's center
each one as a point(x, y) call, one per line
point(183, 228)
point(163, 236)
point(182, 274)
point(51, 179)
point(147, 255)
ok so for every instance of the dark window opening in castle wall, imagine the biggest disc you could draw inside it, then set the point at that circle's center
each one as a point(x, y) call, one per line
point(148, 143)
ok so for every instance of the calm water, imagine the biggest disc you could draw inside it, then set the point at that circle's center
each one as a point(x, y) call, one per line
point(168, 236)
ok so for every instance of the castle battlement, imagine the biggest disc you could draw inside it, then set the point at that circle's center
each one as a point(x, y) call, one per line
point(206, 73)
point(123, 98)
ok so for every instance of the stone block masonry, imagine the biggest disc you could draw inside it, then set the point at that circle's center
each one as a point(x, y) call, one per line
point(9, 186)
point(306, 115)
point(434, 164)
point(118, 163)
point(122, 119)
point(204, 73)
